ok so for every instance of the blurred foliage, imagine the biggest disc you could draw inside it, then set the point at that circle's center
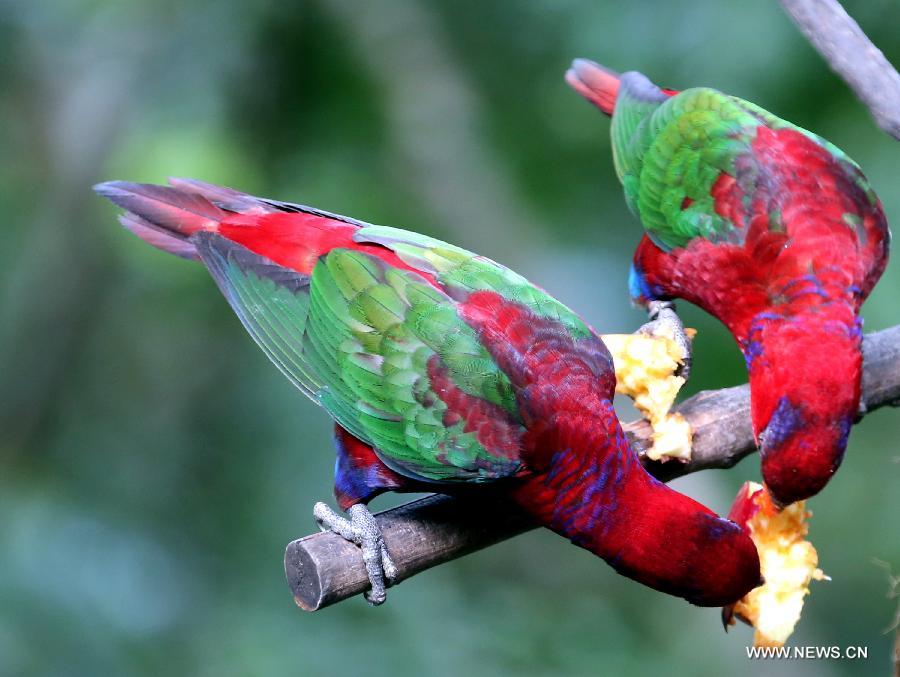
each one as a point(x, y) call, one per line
point(153, 465)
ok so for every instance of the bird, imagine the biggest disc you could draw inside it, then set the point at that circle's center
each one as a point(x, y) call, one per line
point(769, 228)
point(443, 371)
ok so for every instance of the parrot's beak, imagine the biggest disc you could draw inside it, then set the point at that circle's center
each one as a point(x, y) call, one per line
point(598, 84)
point(727, 616)
point(779, 506)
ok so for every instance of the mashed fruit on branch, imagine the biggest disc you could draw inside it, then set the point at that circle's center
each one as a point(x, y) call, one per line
point(788, 563)
point(645, 372)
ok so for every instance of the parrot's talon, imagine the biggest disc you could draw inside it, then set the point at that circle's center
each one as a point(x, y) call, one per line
point(655, 307)
point(362, 530)
point(664, 321)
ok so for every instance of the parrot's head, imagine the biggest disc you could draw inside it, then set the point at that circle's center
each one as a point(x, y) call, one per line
point(801, 451)
point(694, 554)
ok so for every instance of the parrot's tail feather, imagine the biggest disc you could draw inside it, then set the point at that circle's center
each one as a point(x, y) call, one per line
point(226, 198)
point(180, 213)
point(159, 238)
point(598, 84)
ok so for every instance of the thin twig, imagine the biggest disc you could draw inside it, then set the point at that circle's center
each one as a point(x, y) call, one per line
point(850, 53)
point(324, 568)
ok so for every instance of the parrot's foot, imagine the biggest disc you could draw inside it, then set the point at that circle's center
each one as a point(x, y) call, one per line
point(665, 321)
point(363, 530)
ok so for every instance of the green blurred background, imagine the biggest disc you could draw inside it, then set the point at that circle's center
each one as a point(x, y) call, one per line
point(153, 465)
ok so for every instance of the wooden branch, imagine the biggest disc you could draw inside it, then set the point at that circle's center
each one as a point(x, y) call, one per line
point(850, 53)
point(323, 568)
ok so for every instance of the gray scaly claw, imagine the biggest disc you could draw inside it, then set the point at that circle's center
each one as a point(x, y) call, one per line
point(663, 316)
point(363, 530)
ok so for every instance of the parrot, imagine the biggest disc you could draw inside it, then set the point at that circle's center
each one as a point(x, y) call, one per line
point(769, 228)
point(442, 371)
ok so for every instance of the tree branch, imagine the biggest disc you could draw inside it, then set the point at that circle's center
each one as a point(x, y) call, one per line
point(323, 568)
point(850, 53)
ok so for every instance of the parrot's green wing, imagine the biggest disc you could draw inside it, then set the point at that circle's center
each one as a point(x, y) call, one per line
point(670, 152)
point(382, 350)
point(460, 272)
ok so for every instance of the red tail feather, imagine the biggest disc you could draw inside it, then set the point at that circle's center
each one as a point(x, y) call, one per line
point(228, 199)
point(180, 212)
point(290, 235)
point(598, 84)
point(159, 238)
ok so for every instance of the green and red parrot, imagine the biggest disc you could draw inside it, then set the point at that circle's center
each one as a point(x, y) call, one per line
point(766, 226)
point(443, 371)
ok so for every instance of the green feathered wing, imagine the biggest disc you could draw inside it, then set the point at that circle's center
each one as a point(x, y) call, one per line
point(362, 338)
point(460, 272)
point(669, 151)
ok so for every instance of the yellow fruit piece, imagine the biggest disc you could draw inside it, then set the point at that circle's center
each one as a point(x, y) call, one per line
point(645, 372)
point(788, 563)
